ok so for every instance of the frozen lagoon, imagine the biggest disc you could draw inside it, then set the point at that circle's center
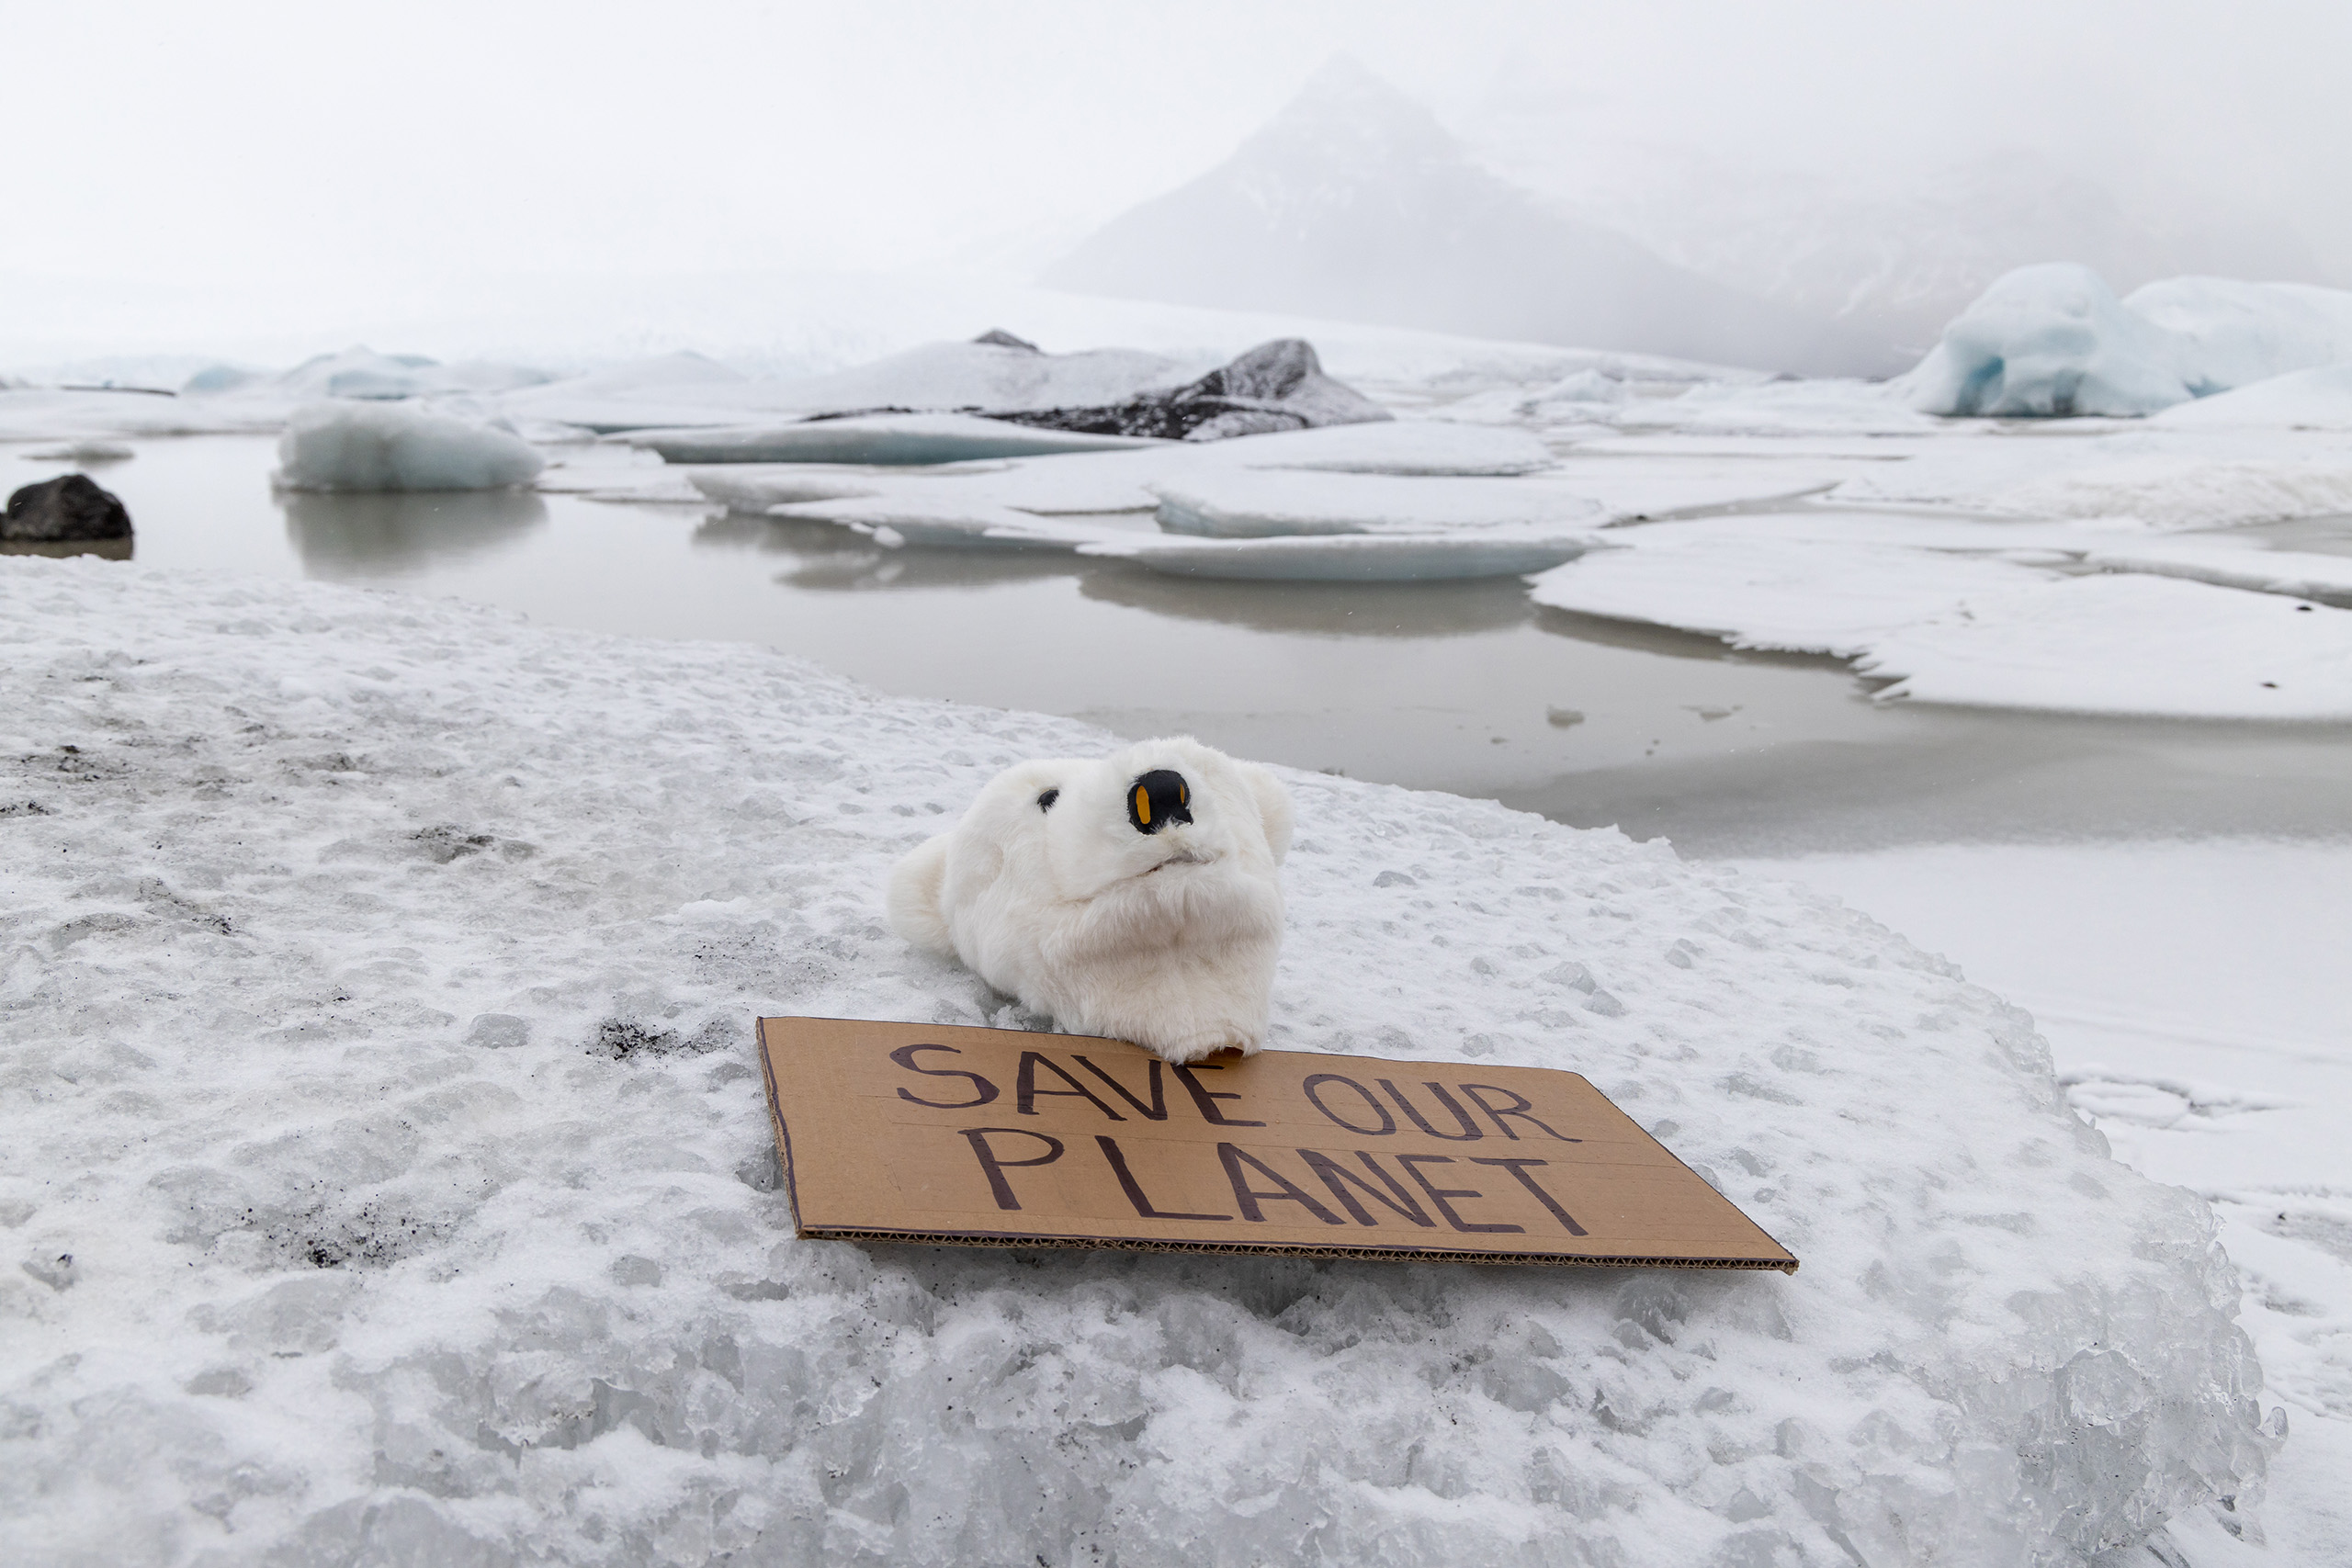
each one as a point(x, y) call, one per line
point(1371, 680)
point(1460, 686)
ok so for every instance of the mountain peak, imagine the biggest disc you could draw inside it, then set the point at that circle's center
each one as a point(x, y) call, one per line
point(1346, 113)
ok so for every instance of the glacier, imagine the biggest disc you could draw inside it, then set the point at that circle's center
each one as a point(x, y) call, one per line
point(389, 1175)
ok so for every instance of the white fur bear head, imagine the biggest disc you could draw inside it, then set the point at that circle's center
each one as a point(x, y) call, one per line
point(1089, 823)
point(1136, 895)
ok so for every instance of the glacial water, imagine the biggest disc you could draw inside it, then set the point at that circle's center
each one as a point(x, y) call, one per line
point(1464, 686)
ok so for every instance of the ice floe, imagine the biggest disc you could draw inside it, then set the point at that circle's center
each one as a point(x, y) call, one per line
point(1994, 615)
point(390, 1176)
point(340, 445)
point(885, 440)
point(2132, 643)
point(1225, 503)
point(1507, 551)
point(1791, 596)
point(2186, 493)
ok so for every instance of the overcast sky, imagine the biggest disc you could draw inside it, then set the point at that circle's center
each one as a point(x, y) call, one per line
point(401, 143)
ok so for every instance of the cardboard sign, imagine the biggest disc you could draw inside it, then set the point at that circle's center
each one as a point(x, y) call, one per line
point(993, 1137)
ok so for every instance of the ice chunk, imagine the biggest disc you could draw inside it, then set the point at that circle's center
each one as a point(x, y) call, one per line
point(1246, 504)
point(1585, 386)
point(884, 439)
point(2194, 650)
point(219, 379)
point(1350, 557)
point(345, 446)
point(2051, 341)
point(2004, 1348)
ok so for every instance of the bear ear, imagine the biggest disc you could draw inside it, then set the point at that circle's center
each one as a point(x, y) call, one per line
point(916, 884)
point(1273, 807)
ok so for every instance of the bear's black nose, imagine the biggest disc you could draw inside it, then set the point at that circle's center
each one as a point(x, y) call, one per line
point(1157, 799)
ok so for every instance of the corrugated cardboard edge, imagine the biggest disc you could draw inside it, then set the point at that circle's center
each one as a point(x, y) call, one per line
point(1364, 1254)
point(1244, 1249)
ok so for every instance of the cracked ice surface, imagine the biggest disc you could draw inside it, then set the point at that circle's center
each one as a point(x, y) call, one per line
point(384, 1162)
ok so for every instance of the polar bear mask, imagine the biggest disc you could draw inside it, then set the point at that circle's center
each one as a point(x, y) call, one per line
point(1137, 896)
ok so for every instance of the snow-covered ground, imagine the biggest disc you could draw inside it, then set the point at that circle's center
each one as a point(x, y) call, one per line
point(2195, 995)
point(367, 1057)
point(389, 1178)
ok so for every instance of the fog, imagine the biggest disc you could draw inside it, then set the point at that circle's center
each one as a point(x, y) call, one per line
point(212, 173)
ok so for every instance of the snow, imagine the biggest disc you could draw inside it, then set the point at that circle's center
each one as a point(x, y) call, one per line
point(2193, 994)
point(2186, 493)
point(379, 974)
point(2307, 400)
point(890, 440)
point(1404, 447)
point(345, 446)
point(2052, 340)
point(2298, 574)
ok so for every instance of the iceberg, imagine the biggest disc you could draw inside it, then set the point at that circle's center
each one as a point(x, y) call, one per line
point(389, 1177)
point(2052, 341)
point(347, 445)
point(2048, 342)
point(2234, 333)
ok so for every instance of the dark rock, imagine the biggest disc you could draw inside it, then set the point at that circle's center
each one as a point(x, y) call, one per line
point(1003, 338)
point(1276, 386)
point(70, 507)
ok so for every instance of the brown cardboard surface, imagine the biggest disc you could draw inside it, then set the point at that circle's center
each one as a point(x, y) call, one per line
point(993, 1137)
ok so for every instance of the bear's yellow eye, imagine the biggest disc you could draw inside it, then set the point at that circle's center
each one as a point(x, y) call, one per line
point(1143, 806)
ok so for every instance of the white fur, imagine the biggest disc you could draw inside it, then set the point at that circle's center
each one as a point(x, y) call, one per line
point(1166, 939)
